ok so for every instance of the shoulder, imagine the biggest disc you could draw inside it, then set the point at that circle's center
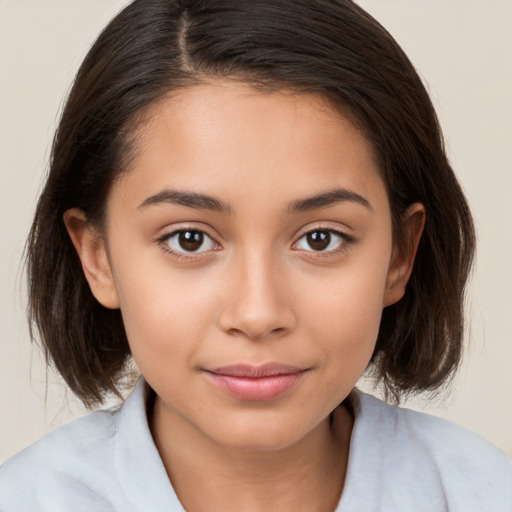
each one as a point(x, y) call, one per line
point(105, 461)
point(435, 433)
point(66, 461)
point(423, 457)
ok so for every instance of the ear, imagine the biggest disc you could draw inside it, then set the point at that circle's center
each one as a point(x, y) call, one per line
point(404, 252)
point(92, 252)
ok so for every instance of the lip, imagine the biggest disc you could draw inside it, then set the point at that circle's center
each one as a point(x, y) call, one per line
point(255, 383)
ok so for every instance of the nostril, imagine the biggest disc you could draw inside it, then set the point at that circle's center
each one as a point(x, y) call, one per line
point(256, 333)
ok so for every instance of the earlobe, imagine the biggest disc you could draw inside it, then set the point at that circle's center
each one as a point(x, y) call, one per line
point(92, 252)
point(404, 252)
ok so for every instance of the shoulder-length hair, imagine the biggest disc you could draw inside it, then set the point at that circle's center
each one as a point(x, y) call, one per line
point(327, 47)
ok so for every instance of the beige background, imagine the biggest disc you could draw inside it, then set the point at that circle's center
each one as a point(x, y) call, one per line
point(464, 51)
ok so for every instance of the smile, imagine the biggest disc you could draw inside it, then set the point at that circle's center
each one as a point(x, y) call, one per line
point(255, 383)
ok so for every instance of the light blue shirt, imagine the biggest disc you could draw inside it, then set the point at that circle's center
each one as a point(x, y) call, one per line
point(400, 461)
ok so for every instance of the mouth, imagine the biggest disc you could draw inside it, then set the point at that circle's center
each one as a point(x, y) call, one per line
point(256, 383)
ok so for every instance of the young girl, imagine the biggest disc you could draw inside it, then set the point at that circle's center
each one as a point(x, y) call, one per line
point(251, 200)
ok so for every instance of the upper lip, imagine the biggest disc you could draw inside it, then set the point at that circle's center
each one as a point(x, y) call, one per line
point(257, 371)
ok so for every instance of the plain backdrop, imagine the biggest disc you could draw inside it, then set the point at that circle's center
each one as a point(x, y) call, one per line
point(462, 48)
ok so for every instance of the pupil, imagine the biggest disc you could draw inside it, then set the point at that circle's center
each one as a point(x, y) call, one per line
point(191, 240)
point(319, 240)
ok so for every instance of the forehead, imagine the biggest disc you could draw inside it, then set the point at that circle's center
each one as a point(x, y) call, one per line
point(228, 139)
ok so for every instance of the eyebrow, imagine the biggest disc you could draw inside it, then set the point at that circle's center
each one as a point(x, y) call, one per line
point(326, 199)
point(206, 202)
point(188, 199)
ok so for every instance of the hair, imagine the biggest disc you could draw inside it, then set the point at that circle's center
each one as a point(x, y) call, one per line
point(331, 48)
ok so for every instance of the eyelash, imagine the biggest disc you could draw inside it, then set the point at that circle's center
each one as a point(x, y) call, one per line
point(163, 241)
point(345, 241)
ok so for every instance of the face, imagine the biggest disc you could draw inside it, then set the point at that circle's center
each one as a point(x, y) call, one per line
point(249, 247)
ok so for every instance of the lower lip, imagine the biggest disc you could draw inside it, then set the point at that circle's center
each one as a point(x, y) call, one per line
point(255, 389)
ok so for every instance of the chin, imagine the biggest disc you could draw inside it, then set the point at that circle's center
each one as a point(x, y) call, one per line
point(258, 442)
point(264, 434)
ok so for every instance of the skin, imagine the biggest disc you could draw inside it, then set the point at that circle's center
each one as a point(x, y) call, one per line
point(255, 292)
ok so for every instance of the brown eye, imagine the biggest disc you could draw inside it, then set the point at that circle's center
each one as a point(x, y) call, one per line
point(189, 240)
point(321, 240)
point(318, 240)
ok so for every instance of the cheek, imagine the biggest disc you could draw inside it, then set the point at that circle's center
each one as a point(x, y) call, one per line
point(165, 313)
point(344, 313)
point(351, 295)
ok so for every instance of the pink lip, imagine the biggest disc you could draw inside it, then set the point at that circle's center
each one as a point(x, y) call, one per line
point(255, 383)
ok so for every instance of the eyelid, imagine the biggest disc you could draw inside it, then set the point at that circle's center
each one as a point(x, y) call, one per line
point(325, 226)
point(346, 240)
point(162, 242)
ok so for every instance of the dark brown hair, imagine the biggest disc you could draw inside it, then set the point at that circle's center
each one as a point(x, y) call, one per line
point(328, 47)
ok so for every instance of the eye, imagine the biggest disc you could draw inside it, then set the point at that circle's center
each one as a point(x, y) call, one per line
point(189, 240)
point(321, 240)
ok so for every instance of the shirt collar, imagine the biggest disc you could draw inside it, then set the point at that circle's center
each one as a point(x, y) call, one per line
point(139, 468)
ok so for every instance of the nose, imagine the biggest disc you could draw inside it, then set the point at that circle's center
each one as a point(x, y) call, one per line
point(257, 303)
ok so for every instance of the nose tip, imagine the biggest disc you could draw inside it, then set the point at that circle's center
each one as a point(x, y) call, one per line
point(258, 305)
point(255, 327)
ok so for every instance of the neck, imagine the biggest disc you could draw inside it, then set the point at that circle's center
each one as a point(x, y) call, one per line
point(208, 476)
